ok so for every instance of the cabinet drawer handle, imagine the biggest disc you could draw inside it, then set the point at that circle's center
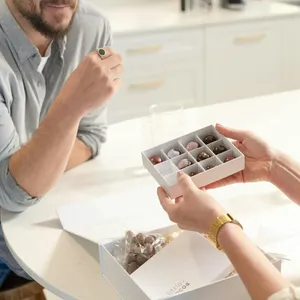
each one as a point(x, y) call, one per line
point(146, 85)
point(149, 49)
point(249, 39)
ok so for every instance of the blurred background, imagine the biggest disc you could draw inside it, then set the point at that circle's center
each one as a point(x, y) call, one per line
point(209, 53)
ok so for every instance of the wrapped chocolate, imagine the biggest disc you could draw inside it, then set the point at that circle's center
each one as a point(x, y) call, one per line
point(136, 249)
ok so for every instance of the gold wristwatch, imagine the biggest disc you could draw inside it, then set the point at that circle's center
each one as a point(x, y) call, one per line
point(214, 229)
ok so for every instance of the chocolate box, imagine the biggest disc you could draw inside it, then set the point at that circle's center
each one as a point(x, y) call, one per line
point(206, 171)
point(188, 268)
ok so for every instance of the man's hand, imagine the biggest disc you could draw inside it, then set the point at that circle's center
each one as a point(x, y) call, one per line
point(93, 82)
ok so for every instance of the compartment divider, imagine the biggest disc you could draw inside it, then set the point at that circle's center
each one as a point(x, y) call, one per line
point(191, 157)
point(219, 160)
point(209, 151)
point(164, 155)
point(199, 164)
point(184, 149)
point(201, 143)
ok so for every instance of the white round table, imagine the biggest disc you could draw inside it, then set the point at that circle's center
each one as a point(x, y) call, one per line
point(68, 266)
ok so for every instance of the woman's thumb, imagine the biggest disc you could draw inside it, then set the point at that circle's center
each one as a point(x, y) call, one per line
point(185, 182)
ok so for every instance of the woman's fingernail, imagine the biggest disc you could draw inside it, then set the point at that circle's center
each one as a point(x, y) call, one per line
point(180, 173)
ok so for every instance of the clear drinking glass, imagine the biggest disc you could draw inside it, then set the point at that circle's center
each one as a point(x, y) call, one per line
point(165, 122)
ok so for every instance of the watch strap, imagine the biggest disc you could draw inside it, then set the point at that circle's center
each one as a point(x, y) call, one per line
point(217, 225)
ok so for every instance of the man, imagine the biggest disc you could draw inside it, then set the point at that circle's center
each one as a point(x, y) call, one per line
point(54, 86)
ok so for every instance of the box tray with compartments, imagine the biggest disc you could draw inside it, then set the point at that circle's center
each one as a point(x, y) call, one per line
point(214, 158)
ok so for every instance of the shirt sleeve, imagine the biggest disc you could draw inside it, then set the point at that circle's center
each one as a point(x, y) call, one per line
point(290, 293)
point(93, 130)
point(12, 196)
point(93, 127)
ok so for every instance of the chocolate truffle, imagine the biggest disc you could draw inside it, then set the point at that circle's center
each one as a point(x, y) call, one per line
point(137, 254)
point(228, 158)
point(129, 236)
point(209, 139)
point(173, 153)
point(149, 250)
point(192, 146)
point(219, 149)
point(131, 257)
point(156, 160)
point(149, 239)
point(133, 266)
point(202, 156)
point(184, 163)
point(130, 240)
point(209, 167)
point(141, 259)
point(141, 239)
point(135, 249)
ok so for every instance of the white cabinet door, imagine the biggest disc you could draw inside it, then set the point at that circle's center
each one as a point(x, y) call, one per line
point(151, 52)
point(291, 53)
point(139, 93)
point(242, 60)
point(160, 67)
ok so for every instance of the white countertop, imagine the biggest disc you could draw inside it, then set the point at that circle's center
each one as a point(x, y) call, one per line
point(165, 15)
point(68, 266)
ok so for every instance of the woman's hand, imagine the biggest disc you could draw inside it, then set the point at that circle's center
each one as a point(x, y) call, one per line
point(258, 157)
point(195, 210)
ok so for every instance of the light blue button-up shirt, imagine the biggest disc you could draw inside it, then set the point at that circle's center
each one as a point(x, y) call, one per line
point(26, 93)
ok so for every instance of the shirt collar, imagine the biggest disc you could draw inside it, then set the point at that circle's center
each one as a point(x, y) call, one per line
point(23, 47)
point(62, 45)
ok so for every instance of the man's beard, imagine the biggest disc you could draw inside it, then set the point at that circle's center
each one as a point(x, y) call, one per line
point(37, 21)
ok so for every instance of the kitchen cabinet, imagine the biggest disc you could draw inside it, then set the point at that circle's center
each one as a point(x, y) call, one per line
point(242, 60)
point(159, 68)
point(159, 49)
point(138, 94)
point(200, 59)
point(291, 53)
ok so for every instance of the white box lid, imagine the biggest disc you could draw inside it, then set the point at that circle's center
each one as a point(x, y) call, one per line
point(111, 216)
point(189, 260)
